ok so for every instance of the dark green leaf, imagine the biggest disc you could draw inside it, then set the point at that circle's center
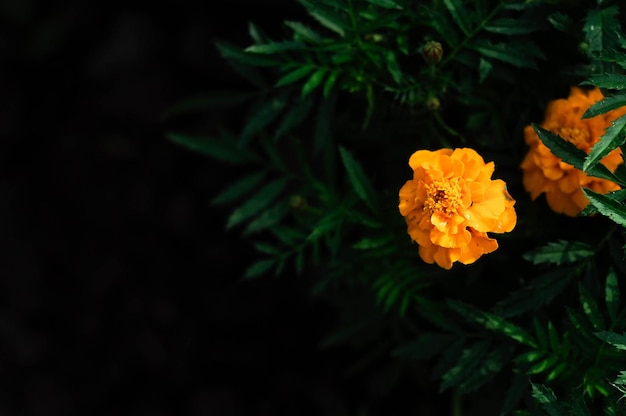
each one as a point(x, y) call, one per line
point(459, 14)
point(387, 4)
point(208, 101)
point(616, 340)
point(266, 248)
point(514, 393)
point(360, 182)
point(370, 243)
point(240, 188)
point(469, 359)
point(314, 81)
point(543, 365)
point(611, 294)
point(548, 401)
point(515, 54)
point(233, 53)
point(256, 34)
point(257, 202)
point(295, 75)
point(569, 153)
point(330, 83)
point(393, 67)
point(484, 68)
point(294, 116)
point(601, 29)
point(560, 252)
point(259, 268)
point(323, 131)
point(618, 195)
point(614, 137)
point(607, 104)
point(486, 370)
point(268, 218)
point(607, 206)
point(560, 21)
point(326, 16)
point(510, 26)
point(425, 346)
point(275, 47)
point(591, 309)
point(303, 32)
point(219, 148)
point(608, 81)
point(262, 117)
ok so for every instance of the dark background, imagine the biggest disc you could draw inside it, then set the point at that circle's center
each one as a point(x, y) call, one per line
point(120, 289)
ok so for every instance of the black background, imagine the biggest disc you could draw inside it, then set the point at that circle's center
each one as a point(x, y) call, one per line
point(120, 290)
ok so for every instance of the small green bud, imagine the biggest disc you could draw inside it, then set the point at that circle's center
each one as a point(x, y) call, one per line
point(433, 104)
point(432, 52)
point(297, 202)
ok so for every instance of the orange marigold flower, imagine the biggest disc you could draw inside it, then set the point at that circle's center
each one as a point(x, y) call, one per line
point(561, 182)
point(452, 203)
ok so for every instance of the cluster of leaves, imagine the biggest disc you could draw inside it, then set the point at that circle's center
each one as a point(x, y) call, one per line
point(326, 133)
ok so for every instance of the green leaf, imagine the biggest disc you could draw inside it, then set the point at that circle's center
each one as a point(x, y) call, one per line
point(547, 400)
point(560, 21)
point(275, 47)
point(512, 53)
point(360, 182)
point(611, 294)
point(614, 137)
point(262, 118)
point(295, 116)
point(569, 153)
point(602, 29)
point(330, 83)
point(295, 75)
point(259, 268)
point(220, 148)
point(607, 206)
point(266, 248)
point(608, 81)
point(469, 359)
point(393, 67)
point(268, 218)
point(314, 81)
point(514, 393)
point(303, 32)
point(240, 188)
point(605, 105)
point(235, 54)
point(484, 68)
point(560, 252)
point(257, 202)
point(616, 340)
point(591, 309)
point(618, 195)
point(510, 26)
point(323, 131)
point(529, 357)
point(459, 14)
point(326, 16)
point(369, 243)
point(487, 370)
point(543, 365)
point(387, 4)
point(256, 34)
point(208, 101)
point(493, 323)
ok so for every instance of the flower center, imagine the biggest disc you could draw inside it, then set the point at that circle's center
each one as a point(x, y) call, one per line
point(578, 137)
point(443, 196)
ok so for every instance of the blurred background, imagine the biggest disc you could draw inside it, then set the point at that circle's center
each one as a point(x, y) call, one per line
point(120, 289)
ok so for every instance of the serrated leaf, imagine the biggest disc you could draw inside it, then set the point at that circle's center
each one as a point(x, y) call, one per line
point(294, 117)
point(608, 81)
point(257, 202)
point(591, 309)
point(616, 340)
point(601, 29)
point(560, 252)
point(304, 32)
point(326, 16)
point(618, 195)
point(486, 371)
point(607, 206)
point(493, 323)
point(547, 400)
point(219, 148)
point(459, 15)
point(613, 137)
point(569, 153)
point(294, 75)
point(262, 118)
point(314, 81)
point(275, 47)
point(259, 268)
point(469, 359)
point(605, 105)
point(611, 294)
point(360, 182)
point(560, 21)
point(510, 26)
point(239, 188)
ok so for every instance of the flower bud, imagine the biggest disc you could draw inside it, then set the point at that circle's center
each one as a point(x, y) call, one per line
point(433, 104)
point(432, 52)
point(297, 202)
